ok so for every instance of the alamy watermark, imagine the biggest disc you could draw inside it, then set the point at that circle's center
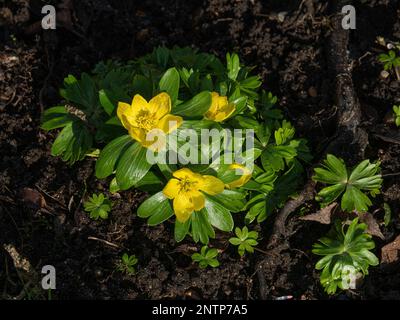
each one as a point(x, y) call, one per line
point(49, 20)
point(49, 280)
point(203, 146)
point(349, 20)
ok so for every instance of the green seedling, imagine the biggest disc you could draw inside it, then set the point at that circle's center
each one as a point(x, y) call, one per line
point(127, 264)
point(98, 206)
point(245, 240)
point(390, 61)
point(353, 185)
point(346, 256)
point(206, 257)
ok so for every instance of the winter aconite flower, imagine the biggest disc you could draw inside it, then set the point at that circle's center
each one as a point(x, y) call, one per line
point(245, 175)
point(220, 108)
point(186, 189)
point(146, 121)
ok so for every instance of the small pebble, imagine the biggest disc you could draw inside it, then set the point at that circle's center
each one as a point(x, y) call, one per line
point(390, 46)
point(384, 74)
point(33, 198)
point(381, 41)
point(312, 91)
point(281, 16)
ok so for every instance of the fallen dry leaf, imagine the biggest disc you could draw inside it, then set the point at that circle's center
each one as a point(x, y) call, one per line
point(323, 216)
point(373, 226)
point(33, 198)
point(391, 252)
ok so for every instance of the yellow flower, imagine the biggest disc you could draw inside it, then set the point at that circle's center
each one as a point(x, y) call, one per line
point(220, 108)
point(245, 176)
point(186, 191)
point(146, 121)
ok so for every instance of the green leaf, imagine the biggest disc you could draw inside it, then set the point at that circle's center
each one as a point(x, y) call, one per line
point(114, 187)
point(132, 166)
point(73, 142)
point(353, 198)
point(329, 194)
point(110, 154)
point(273, 157)
point(232, 200)
point(143, 86)
point(233, 65)
point(363, 177)
point(105, 102)
point(248, 123)
point(81, 92)
point(197, 257)
point(162, 214)
point(343, 250)
point(235, 241)
point(226, 174)
point(98, 206)
point(64, 138)
point(206, 83)
point(56, 117)
point(109, 130)
point(240, 104)
point(333, 171)
point(252, 82)
point(211, 253)
point(201, 227)
point(162, 56)
point(388, 214)
point(157, 208)
point(283, 134)
point(219, 216)
point(181, 229)
point(170, 83)
point(195, 107)
point(213, 263)
point(257, 210)
point(150, 182)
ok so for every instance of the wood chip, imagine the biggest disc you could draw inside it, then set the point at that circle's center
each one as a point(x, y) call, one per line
point(391, 252)
point(20, 262)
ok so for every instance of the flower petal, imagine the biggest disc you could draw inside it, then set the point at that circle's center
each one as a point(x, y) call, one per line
point(197, 199)
point(183, 208)
point(160, 105)
point(211, 185)
point(172, 188)
point(139, 103)
point(155, 140)
point(186, 173)
point(225, 112)
point(170, 123)
point(214, 106)
point(222, 101)
point(137, 133)
point(124, 112)
point(245, 176)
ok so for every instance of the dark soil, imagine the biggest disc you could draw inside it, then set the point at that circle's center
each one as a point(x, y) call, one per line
point(285, 40)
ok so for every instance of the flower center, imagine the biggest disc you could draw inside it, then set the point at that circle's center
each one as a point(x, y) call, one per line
point(187, 185)
point(146, 120)
point(219, 108)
